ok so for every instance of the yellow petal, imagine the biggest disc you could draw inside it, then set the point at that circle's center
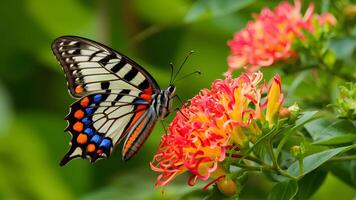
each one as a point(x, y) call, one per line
point(275, 99)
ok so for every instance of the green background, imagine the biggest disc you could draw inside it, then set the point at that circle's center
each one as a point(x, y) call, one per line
point(34, 97)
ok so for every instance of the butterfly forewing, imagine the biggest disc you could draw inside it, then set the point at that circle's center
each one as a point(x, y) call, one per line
point(115, 99)
point(91, 67)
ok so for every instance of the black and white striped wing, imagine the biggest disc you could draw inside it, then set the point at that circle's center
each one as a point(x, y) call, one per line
point(91, 67)
point(114, 98)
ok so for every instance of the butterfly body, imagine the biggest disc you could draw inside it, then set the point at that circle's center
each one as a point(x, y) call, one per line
point(117, 99)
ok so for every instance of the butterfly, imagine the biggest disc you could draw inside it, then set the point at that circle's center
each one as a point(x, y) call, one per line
point(117, 99)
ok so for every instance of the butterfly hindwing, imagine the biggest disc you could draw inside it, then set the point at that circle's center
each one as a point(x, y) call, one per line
point(97, 124)
point(138, 133)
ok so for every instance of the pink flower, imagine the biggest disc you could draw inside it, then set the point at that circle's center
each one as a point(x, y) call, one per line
point(215, 122)
point(270, 36)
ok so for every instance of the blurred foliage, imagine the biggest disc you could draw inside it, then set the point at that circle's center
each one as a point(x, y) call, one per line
point(34, 98)
point(346, 102)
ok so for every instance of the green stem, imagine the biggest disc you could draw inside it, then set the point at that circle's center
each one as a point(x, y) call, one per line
point(271, 153)
point(276, 166)
point(254, 159)
point(301, 167)
point(262, 168)
point(254, 168)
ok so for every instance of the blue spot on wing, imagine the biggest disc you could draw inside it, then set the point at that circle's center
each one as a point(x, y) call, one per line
point(89, 111)
point(97, 98)
point(86, 121)
point(106, 143)
point(96, 139)
point(89, 131)
point(140, 101)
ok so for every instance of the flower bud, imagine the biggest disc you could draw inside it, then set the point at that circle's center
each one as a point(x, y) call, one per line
point(284, 113)
point(227, 186)
point(294, 111)
point(297, 151)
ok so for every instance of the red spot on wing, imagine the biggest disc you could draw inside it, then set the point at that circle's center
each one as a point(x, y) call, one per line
point(147, 94)
point(99, 151)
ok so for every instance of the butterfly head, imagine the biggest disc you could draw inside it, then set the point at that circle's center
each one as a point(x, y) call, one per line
point(171, 91)
point(165, 100)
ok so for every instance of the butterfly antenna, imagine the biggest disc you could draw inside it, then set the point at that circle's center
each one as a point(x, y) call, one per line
point(187, 75)
point(172, 69)
point(181, 66)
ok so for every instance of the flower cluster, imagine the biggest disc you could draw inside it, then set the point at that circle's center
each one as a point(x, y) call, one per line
point(269, 38)
point(216, 123)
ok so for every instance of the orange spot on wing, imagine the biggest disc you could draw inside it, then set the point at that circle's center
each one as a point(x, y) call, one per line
point(79, 89)
point(82, 138)
point(79, 114)
point(91, 148)
point(78, 126)
point(84, 102)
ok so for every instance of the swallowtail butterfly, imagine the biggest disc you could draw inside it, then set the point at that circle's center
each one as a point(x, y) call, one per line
point(117, 99)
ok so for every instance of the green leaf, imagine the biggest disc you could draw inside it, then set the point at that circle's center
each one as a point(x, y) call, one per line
point(343, 47)
point(338, 132)
point(313, 161)
point(342, 139)
point(204, 9)
point(306, 117)
point(310, 183)
point(316, 127)
point(284, 190)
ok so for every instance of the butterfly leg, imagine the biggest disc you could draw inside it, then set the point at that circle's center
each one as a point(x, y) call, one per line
point(181, 104)
point(164, 127)
point(179, 99)
point(178, 110)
